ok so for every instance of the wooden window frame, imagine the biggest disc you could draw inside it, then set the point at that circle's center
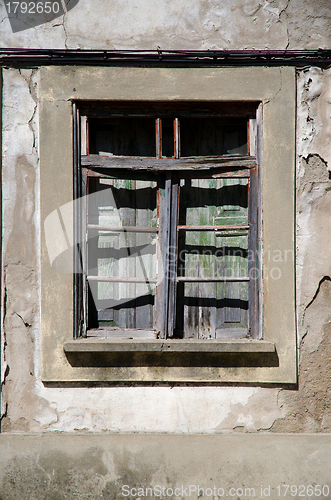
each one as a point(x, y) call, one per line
point(270, 360)
point(172, 169)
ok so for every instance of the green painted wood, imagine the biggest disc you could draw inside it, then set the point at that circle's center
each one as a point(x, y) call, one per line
point(132, 203)
point(204, 310)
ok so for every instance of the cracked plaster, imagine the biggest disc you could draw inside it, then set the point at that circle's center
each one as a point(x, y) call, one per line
point(30, 406)
point(251, 24)
point(308, 409)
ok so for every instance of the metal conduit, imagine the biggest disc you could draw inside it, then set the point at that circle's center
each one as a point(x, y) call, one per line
point(320, 57)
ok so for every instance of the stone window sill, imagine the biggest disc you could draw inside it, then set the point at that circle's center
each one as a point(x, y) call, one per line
point(182, 346)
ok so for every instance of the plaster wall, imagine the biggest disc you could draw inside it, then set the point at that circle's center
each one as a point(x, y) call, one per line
point(142, 24)
point(28, 405)
point(58, 467)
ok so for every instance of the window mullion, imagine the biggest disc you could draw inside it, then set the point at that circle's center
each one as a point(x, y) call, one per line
point(177, 137)
point(166, 255)
point(253, 261)
point(84, 247)
point(173, 255)
point(78, 296)
point(158, 137)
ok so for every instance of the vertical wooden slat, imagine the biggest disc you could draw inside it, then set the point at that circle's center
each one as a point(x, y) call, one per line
point(177, 138)
point(173, 256)
point(258, 142)
point(77, 229)
point(84, 249)
point(232, 248)
point(254, 261)
point(145, 261)
point(158, 137)
point(189, 199)
point(252, 137)
point(83, 134)
point(91, 252)
point(206, 291)
point(166, 256)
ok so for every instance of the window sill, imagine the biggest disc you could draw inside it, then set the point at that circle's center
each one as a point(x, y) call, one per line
point(179, 346)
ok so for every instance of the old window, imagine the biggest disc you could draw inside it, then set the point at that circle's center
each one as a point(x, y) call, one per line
point(217, 182)
point(169, 222)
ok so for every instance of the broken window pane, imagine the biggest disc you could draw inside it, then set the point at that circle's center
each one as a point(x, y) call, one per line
point(212, 136)
point(122, 240)
point(123, 136)
point(207, 306)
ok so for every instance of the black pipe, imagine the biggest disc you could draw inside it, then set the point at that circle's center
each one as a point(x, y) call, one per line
point(319, 57)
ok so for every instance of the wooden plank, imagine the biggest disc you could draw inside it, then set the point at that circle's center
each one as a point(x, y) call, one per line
point(116, 173)
point(213, 228)
point(207, 288)
point(177, 137)
point(232, 261)
point(190, 305)
point(212, 279)
point(120, 279)
point(126, 205)
point(158, 137)
point(143, 174)
point(77, 257)
point(166, 255)
point(84, 250)
point(197, 109)
point(253, 264)
point(145, 252)
point(122, 229)
point(242, 174)
point(173, 257)
point(160, 164)
point(125, 333)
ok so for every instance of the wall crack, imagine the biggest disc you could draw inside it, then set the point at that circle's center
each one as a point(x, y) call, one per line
point(35, 99)
point(26, 324)
point(325, 278)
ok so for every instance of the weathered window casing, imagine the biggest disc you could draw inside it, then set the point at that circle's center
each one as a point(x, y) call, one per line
point(171, 252)
point(270, 358)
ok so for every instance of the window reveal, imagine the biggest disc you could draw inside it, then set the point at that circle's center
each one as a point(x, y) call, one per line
point(171, 223)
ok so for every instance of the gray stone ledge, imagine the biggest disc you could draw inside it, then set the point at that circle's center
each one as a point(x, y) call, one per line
point(208, 346)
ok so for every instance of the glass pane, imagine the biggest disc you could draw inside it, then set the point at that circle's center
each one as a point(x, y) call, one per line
point(213, 136)
point(123, 136)
point(129, 255)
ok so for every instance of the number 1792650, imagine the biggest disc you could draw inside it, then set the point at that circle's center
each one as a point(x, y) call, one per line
point(33, 7)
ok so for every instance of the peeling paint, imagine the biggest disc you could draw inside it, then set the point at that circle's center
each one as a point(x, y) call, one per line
point(252, 24)
point(27, 404)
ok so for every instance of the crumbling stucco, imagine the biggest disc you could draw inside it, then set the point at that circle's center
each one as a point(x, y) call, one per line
point(308, 408)
point(138, 24)
point(28, 405)
point(20, 243)
point(86, 467)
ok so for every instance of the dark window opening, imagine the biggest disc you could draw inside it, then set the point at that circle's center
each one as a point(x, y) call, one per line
point(171, 242)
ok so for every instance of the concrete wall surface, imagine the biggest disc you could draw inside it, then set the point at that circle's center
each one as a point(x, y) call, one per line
point(30, 406)
point(81, 466)
point(27, 405)
point(185, 24)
